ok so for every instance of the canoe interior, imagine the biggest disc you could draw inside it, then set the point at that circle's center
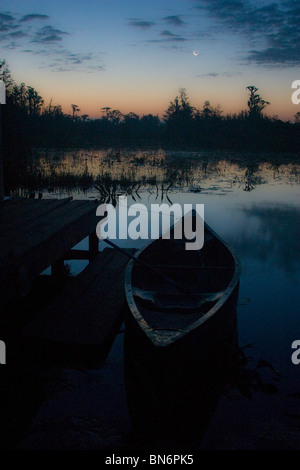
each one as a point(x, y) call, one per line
point(201, 273)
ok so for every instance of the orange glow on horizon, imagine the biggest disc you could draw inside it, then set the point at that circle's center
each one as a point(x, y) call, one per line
point(142, 99)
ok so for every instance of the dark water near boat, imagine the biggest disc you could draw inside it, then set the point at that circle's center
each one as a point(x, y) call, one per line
point(252, 202)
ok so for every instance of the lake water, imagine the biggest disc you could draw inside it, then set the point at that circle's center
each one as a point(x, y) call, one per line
point(252, 202)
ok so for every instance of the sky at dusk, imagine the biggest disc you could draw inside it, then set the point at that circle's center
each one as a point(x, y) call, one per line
point(134, 55)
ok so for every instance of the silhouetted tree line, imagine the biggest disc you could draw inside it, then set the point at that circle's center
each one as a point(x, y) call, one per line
point(28, 123)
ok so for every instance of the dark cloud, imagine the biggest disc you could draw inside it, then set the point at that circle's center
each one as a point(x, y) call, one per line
point(242, 16)
point(6, 35)
point(217, 74)
point(76, 58)
point(66, 61)
point(167, 33)
point(17, 34)
point(67, 68)
point(210, 75)
point(45, 42)
point(36, 52)
point(97, 68)
point(12, 28)
point(48, 34)
point(34, 16)
point(272, 29)
point(63, 60)
point(7, 23)
point(168, 39)
point(50, 38)
point(12, 45)
point(174, 20)
point(275, 57)
point(142, 24)
point(5, 28)
point(6, 17)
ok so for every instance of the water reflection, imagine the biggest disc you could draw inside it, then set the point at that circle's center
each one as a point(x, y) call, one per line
point(273, 232)
point(173, 392)
point(98, 173)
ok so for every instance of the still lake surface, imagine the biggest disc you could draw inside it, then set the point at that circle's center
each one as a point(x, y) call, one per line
point(252, 202)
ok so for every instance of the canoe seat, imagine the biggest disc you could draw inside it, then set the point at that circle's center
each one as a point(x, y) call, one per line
point(177, 301)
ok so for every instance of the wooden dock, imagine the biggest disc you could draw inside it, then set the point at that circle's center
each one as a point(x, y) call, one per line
point(89, 311)
point(35, 234)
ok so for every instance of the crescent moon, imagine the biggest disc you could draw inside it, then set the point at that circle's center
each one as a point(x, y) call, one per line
point(195, 52)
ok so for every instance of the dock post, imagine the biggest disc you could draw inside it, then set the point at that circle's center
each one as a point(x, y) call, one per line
point(93, 246)
point(1, 160)
point(58, 269)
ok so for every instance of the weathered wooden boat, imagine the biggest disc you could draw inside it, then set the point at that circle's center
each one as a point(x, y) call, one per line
point(180, 338)
point(185, 290)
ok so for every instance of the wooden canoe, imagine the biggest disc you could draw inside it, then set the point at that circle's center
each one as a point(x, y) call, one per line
point(207, 281)
point(179, 343)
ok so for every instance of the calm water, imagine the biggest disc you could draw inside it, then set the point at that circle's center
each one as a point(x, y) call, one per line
point(252, 202)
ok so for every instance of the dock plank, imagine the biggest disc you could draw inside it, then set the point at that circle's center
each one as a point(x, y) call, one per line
point(27, 213)
point(14, 208)
point(35, 231)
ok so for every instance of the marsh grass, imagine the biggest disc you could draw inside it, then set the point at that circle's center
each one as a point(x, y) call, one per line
point(112, 172)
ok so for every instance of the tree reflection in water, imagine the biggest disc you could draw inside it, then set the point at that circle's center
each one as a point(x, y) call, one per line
point(107, 173)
